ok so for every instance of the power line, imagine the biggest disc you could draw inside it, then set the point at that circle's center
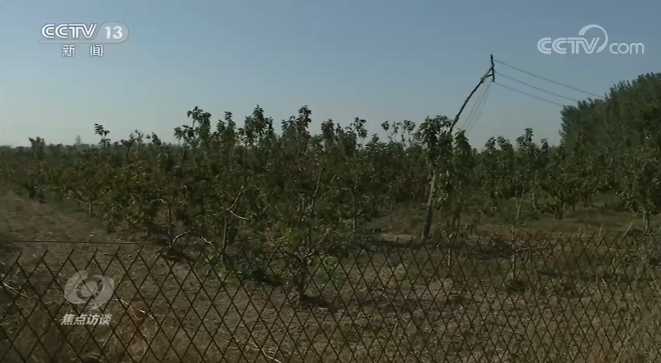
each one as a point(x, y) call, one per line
point(528, 94)
point(473, 109)
point(480, 108)
point(548, 80)
point(489, 73)
point(471, 116)
point(537, 88)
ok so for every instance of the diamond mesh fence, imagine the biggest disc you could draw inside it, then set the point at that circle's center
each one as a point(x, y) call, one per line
point(488, 299)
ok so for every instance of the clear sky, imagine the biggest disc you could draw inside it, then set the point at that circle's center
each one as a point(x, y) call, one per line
point(375, 59)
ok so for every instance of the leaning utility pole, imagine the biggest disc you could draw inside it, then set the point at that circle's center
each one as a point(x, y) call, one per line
point(491, 72)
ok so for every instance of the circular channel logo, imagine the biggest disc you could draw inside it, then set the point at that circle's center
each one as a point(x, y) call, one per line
point(96, 289)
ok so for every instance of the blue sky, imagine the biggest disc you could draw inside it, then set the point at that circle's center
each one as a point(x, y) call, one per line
point(378, 60)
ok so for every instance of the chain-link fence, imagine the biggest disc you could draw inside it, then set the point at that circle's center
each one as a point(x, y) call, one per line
point(537, 299)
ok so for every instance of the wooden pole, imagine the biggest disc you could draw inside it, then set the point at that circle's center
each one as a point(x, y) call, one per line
point(432, 185)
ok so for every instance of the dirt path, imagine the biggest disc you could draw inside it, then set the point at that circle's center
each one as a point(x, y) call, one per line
point(22, 219)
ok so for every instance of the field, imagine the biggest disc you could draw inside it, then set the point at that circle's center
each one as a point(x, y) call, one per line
point(239, 243)
point(481, 299)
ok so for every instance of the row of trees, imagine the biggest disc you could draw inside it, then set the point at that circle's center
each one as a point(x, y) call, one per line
point(623, 131)
point(309, 195)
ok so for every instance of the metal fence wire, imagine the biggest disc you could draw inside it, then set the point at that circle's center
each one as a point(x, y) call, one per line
point(488, 299)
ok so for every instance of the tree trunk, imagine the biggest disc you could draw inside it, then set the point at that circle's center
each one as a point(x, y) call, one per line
point(517, 216)
point(299, 279)
point(646, 222)
point(457, 214)
point(586, 200)
point(169, 231)
point(430, 208)
point(354, 226)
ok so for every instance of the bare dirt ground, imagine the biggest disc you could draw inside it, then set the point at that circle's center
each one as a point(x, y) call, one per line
point(473, 302)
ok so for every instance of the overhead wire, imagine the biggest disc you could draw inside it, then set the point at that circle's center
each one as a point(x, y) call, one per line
point(480, 107)
point(541, 89)
point(477, 110)
point(547, 79)
point(535, 87)
point(473, 109)
point(608, 134)
point(528, 94)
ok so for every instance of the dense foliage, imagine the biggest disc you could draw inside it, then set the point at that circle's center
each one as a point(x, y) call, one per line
point(250, 188)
